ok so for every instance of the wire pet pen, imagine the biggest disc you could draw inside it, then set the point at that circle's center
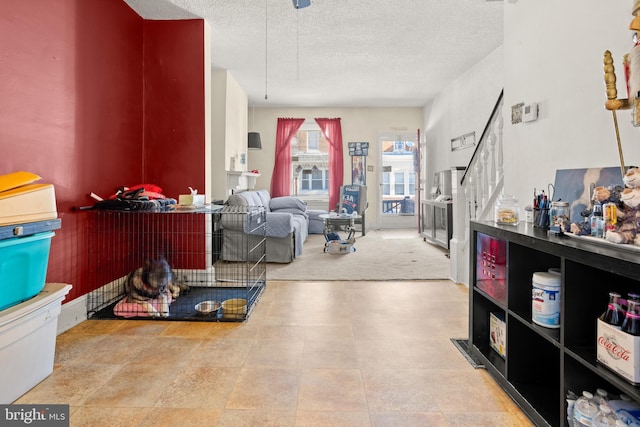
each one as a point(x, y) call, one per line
point(168, 265)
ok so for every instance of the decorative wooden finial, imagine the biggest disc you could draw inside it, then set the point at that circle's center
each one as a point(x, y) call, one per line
point(610, 80)
point(610, 76)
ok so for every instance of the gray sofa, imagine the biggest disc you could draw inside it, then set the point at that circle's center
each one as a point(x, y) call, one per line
point(287, 227)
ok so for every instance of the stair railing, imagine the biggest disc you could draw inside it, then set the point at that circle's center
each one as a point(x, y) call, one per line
point(482, 179)
point(481, 184)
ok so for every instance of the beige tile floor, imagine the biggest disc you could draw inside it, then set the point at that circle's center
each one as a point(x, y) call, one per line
point(310, 354)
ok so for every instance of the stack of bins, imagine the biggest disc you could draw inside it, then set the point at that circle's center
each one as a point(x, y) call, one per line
point(29, 309)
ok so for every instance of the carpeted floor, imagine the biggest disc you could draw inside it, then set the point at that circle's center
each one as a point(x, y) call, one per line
point(379, 255)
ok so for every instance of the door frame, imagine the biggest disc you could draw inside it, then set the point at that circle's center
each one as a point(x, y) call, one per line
point(395, 221)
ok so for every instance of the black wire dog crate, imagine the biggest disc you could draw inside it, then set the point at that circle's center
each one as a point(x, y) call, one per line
point(130, 250)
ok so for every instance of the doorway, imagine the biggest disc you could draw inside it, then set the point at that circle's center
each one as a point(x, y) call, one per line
point(399, 174)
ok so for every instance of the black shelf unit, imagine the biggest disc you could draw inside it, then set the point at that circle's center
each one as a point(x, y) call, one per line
point(542, 364)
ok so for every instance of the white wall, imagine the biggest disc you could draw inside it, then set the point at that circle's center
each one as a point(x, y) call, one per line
point(553, 55)
point(236, 128)
point(229, 129)
point(358, 124)
point(464, 106)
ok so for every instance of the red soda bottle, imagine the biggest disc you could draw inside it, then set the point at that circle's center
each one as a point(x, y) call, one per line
point(614, 314)
point(631, 323)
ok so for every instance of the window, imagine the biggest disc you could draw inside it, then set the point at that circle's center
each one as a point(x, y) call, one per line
point(386, 183)
point(399, 177)
point(314, 180)
point(398, 186)
point(412, 183)
point(310, 163)
point(313, 141)
point(399, 146)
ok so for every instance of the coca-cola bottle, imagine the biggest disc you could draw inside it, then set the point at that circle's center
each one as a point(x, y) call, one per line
point(633, 296)
point(614, 314)
point(631, 323)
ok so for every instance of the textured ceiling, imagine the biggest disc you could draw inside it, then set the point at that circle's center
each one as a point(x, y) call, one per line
point(342, 53)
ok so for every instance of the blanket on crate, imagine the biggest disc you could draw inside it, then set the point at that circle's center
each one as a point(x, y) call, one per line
point(126, 308)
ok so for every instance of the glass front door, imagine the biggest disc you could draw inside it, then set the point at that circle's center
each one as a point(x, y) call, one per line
point(399, 181)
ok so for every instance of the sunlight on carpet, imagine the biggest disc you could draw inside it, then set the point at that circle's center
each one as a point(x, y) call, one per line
point(397, 234)
point(379, 255)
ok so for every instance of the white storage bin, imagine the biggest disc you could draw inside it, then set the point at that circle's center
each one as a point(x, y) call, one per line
point(28, 341)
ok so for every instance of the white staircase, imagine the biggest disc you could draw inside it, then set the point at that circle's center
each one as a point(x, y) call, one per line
point(476, 191)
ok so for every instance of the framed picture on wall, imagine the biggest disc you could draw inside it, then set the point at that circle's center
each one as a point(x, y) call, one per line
point(358, 170)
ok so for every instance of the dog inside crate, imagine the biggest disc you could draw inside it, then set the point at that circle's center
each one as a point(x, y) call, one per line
point(163, 266)
point(150, 290)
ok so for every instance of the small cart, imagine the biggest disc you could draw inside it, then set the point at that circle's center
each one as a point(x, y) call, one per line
point(334, 224)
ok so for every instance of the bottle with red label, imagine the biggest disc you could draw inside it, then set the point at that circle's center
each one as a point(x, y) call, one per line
point(610, 216)
point(631, 323)
point(614, 314)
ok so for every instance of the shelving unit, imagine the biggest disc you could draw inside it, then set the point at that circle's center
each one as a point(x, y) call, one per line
point(542, 364)
point(241, 180)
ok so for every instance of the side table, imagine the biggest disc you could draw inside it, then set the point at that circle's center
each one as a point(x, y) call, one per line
point(334, 222)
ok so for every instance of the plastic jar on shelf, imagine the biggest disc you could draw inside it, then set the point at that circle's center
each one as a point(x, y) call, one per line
point(560, 215)
point(506, 211)
point(545, 299)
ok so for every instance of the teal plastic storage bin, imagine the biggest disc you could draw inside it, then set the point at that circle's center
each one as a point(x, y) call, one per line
point(23, 267)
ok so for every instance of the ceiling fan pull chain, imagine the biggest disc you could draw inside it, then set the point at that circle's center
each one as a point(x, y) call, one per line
point(298, 43)
point(266, 49)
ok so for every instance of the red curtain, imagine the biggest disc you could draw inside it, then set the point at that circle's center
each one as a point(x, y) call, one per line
point(332, 130)
point(281, 177)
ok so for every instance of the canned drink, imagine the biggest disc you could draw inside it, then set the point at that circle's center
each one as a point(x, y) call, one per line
point(610, 215)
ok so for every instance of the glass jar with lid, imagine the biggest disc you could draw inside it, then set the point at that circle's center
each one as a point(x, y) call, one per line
point(559, 214)
point(506, 211)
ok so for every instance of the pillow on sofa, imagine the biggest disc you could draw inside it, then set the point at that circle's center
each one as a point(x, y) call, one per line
point(291, 204)
point(250, 198)
point(238, 200)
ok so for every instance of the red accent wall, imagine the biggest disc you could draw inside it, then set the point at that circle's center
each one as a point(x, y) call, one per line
point(174, 95)
point(73, 77)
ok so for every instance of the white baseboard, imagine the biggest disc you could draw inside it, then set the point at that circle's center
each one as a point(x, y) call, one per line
point(72, 314)
point(459, 264)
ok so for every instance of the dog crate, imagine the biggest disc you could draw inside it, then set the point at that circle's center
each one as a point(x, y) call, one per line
point(122, 245)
